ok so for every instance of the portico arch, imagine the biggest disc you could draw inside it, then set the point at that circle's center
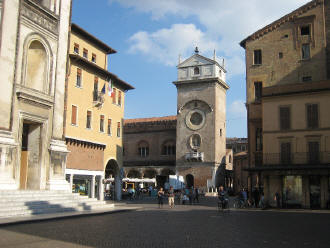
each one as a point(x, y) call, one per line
point(189, 181)
point(112, 171)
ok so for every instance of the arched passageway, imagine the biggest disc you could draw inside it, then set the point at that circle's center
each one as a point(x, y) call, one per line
point(112, 171)
point(189, 181)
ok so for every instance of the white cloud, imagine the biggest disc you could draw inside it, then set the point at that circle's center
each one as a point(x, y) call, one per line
point(226, 23)
point(237, 109)
point(165, 45)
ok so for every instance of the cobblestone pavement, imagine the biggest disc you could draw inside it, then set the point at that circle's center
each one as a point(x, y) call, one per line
point(184, 226)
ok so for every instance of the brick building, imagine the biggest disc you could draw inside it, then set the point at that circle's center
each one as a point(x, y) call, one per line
point(192, 144)
point(288, 95)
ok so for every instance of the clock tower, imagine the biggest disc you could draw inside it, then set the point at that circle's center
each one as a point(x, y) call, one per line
point(201, 121)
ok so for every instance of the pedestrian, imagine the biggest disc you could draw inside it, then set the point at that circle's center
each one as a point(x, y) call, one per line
point(160, 197)
point(190, 195)
point(171, 197)
point(277, 198)
point(196, 195)
point(256, 196)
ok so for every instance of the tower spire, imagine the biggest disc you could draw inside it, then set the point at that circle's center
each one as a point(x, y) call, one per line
point(196, 50)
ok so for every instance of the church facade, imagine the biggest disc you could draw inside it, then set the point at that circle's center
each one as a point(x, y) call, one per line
point(192, 144)
point(33, 49)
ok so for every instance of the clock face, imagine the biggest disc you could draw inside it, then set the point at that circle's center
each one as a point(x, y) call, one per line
point(195, 119)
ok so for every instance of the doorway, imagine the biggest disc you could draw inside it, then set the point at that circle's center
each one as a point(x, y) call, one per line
point(189, 181)
point(315, 192)
point(30, 156)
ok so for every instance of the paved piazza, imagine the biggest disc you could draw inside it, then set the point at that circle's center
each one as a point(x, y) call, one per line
point(184, 226)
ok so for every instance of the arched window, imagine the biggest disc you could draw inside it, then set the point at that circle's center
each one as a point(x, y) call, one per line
point(169, 148)
point(143, 149)
point(229, 158)
point(36, 71)
point(196, 70)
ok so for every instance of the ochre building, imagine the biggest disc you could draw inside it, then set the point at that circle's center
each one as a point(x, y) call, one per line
point(288, 99)
point(94, 104)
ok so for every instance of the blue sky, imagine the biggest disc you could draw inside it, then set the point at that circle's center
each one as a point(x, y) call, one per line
point(149, 35)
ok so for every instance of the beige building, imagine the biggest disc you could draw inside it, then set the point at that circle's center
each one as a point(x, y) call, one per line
point(288, 93)
point(95, 100)
point(33, 57)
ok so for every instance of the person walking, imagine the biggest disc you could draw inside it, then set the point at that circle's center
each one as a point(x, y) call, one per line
point(171, 197)
point(277, 198)
point(160, 195)
point(196, 195)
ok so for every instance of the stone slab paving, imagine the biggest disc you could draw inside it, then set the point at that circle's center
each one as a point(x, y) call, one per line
point(184, 226)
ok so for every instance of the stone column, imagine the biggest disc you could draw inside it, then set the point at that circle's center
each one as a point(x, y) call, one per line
point(93, 187)
point(101, 188)
point(324, 191)
point(71, 181)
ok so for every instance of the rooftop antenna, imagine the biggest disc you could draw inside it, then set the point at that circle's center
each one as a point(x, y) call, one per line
point(223, 62)
point(214, 55)
point(196, 50)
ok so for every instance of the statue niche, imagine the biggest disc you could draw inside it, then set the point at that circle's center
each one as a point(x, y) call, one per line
point(36, 71)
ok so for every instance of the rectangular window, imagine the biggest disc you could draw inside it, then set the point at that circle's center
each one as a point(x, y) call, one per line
point(285, 122)
point(119, 98)
point(305, 51)
point(286, 153)
point(74, 115)
point(257, 58)
point(78, 81)
point(102, 123)
point(96, 89)
point(312, 115)
point(109, 127)
point(257, 91)
point(114, 95)
point(118, 129)
point(94, 58)
point(313, 152)
point(88, 119)
point(85, 53)
point(76, 48)
point(307, 79)
point(259, 139)
point(305, 30)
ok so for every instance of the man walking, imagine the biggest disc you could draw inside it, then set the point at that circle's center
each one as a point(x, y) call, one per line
point(171, 197)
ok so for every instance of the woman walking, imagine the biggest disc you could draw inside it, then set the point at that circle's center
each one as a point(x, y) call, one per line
point(160, 197)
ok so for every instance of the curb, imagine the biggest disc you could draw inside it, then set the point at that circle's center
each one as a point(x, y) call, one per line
point(63, 215)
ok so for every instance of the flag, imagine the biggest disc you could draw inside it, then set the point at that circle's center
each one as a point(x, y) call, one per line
point(103, 89)
point(110, 88)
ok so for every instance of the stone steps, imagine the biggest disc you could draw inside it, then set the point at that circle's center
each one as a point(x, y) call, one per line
point(31, 203)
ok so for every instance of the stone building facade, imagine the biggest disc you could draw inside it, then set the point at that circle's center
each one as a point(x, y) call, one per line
point(288, 93)
point(33, 62)
point(93, 127)
point(198, 131)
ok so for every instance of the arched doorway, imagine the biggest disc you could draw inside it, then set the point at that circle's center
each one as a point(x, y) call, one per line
point(189, 181)
point(112, 171)
point(220, 177)
point(134, 174)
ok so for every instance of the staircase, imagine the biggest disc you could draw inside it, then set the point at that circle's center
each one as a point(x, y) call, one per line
point(23, 203)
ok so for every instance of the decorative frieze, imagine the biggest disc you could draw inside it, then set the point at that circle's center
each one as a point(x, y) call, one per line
point(40, 17)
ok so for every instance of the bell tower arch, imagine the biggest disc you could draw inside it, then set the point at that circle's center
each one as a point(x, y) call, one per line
point(201, 118)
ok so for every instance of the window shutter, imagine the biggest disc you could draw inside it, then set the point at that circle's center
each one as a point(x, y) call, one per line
point(74, 115)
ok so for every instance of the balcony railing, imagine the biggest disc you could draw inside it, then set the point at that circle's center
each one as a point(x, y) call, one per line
point(98, 97)
point(195, 156)
point(303, 158)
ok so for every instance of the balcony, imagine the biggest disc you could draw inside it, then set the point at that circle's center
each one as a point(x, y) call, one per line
point(98, 98)
point(298, 158)
point(195, 156)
